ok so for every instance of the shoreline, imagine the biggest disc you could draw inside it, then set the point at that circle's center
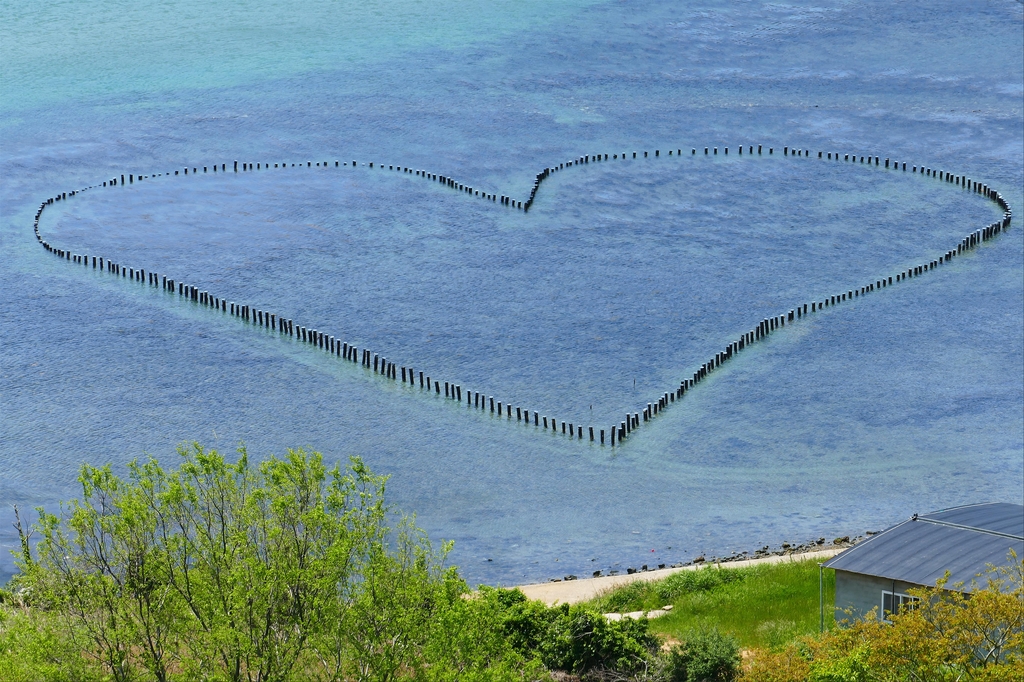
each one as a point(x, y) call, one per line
point(585, 589)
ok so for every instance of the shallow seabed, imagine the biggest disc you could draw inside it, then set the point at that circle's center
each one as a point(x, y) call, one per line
point(620, 281)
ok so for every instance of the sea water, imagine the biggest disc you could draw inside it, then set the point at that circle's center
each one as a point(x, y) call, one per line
point(621, 280)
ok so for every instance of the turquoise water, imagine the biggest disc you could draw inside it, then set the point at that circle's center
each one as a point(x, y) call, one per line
point(622, 272)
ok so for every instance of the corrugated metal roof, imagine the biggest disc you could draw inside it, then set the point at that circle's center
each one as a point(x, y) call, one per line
point(962, 540)
point(999, 517)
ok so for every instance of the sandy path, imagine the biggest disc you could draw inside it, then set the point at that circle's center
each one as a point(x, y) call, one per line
point(573, 591)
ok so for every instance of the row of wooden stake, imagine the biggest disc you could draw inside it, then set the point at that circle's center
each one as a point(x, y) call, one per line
point(379, 364)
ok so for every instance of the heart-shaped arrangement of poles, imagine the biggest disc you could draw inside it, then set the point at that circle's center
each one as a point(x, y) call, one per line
point(390, 369)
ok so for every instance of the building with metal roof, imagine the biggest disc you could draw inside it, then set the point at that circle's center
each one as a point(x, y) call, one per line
point(963, 541)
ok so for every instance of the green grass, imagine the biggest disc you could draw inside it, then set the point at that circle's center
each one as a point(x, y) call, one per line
point(763, 606)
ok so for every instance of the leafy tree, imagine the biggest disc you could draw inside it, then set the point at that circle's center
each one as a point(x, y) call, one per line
point(389, 617)
point(212, 570)
point(98, 569)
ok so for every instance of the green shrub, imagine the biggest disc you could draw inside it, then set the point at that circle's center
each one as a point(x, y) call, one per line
point(580, 640)
point(850, 668)
point(35, 647)
point(704, 656)
point(574, 639)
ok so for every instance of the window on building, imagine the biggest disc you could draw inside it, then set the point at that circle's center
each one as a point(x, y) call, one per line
point(894, 602)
